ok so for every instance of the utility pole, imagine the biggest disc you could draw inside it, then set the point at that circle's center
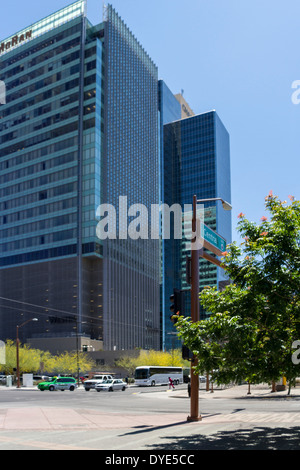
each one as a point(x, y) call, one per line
point(196, 252)
point(17, 349)
point(194, 403)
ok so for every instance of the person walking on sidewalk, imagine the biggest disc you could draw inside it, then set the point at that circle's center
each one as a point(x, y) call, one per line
point(171, 384)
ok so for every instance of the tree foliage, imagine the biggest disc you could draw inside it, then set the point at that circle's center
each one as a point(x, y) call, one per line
point(152, 358)
point(255, 320)
point(34, 361)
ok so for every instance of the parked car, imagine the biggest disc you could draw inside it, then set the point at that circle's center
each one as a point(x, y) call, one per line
point(111, 385)
point(59, 383)
point(46, 378)
point(91, 383)
point(2, 379)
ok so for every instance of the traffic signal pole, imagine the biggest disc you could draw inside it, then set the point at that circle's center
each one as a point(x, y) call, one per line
point(194, 401)
point(193, 278)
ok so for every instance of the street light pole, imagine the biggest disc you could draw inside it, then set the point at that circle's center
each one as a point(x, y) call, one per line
point(17, 344)
point(194, 403)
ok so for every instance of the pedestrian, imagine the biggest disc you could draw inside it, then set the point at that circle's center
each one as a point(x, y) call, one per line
point(171, 384)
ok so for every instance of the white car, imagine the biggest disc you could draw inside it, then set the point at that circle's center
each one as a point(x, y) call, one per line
point(111, 385)
point(91, 383)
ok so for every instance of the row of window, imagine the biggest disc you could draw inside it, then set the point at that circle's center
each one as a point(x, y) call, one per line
point(44, 224)
point(44, 109)
point(24, 92)
point(37, 182)
point(47, 239)
point(56, 64)
point(53, 134)
point(62, 74)
point(26, 52)
point(39, 98)
point(54, 52)
point(56, 252)
point(38, 167)
point(39, 139)
point(39, 196)
point(38, 255)
point(40, 124)
point(38, 211)
point(40, 152)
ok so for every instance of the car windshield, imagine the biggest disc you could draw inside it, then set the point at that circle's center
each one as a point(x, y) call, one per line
point(107, 381)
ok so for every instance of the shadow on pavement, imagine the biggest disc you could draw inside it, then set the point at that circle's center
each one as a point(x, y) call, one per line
point(258, 438)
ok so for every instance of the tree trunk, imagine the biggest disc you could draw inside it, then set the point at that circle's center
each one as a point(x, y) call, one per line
point(273, 386)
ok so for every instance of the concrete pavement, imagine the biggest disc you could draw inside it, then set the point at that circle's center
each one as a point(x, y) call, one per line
point(51, 418)
point(49, 428)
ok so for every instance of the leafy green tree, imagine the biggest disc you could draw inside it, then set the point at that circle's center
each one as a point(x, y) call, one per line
point(160, 358)
point(68, 363)
point(256, 319)
point(153, 358)
point(34, 360)
point(29, 359)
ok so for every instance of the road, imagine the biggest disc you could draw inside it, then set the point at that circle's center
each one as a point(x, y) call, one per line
point(147, 419)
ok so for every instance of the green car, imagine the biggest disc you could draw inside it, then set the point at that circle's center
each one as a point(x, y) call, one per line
point(59, 383)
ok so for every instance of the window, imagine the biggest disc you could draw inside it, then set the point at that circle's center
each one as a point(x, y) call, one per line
point(42, 195)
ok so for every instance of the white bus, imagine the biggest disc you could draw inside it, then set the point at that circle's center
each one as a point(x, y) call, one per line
point(156, 375)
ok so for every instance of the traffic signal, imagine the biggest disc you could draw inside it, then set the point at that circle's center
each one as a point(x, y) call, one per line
point(177, 305)
point(186, 353)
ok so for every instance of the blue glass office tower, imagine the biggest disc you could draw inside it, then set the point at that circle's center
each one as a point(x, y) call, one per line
point(131, 169)
point(196, 161)
point(169, 111)
point(79, 128)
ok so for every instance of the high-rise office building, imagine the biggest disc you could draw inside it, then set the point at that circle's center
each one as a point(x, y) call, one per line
point(79, 128)
point(85, 121)
point(196, 161)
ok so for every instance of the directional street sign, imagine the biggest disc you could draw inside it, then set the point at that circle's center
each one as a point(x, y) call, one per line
point(212, 240)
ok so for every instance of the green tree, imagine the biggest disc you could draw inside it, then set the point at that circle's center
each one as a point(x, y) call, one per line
point(152, 358)
point(68, 362)
point(256, 319)
point(31, 360)
point(34, 360)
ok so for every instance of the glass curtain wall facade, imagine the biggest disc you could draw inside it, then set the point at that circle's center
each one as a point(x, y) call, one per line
point(77, 129)
point(169, 111)
point(41, 163)
point(85, 122)
point(131, 169)
point(196, 161)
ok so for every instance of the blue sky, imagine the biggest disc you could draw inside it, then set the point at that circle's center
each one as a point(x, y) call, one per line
point(237, 57)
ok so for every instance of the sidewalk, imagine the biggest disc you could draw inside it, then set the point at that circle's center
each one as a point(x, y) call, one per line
point(256, 391)
point(241, 392)
point(236, 391)
point(70, 428)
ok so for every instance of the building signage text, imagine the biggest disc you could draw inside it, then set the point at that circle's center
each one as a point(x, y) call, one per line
point(15, 41)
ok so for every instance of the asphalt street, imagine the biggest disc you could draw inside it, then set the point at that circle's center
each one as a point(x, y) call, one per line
point(153, 420)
